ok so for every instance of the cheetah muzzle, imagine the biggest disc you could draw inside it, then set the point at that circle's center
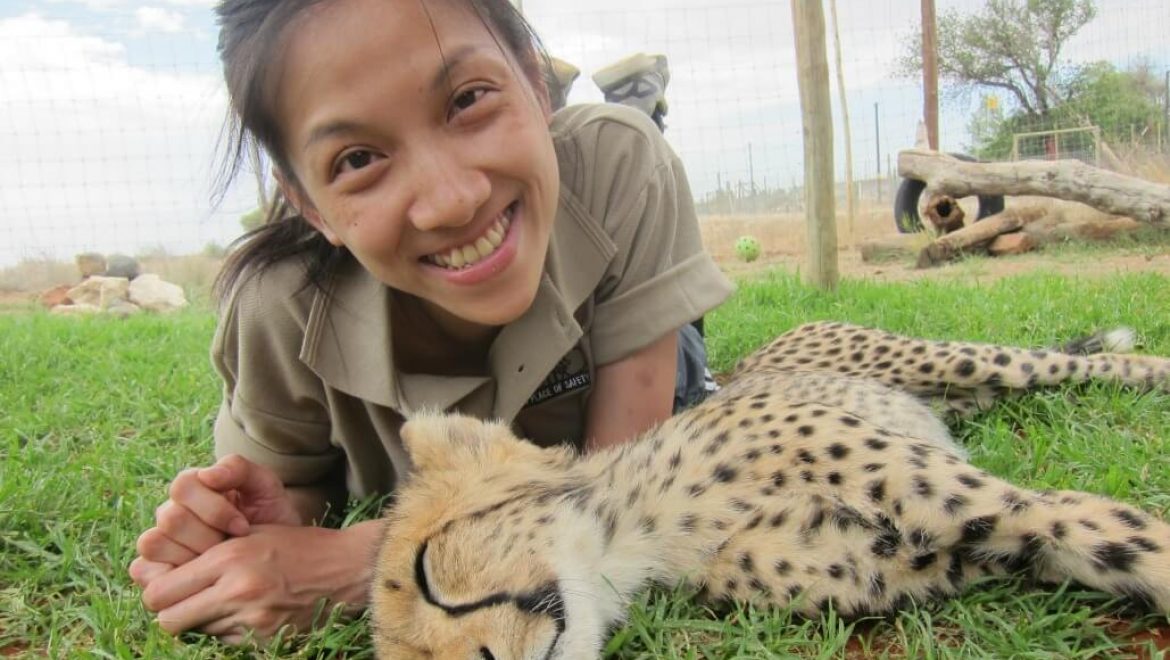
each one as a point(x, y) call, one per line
point(820, 475)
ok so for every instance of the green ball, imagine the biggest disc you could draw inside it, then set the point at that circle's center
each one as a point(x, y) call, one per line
point(747, 248)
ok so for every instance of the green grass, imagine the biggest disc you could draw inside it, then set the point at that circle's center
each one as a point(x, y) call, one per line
point(98, 415)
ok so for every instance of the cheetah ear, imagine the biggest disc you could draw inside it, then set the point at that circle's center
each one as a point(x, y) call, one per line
point(437, 441)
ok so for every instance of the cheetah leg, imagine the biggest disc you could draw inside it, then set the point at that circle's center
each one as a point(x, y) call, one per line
point(955, 523)
point(909, 521)
point(963, 377)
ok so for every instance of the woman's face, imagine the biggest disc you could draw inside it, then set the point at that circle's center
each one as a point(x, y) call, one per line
point(422, 147)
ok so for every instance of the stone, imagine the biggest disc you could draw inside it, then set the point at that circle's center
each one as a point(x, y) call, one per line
point(1016, 242)
point(90, 263)
point(58, 295)
point(100, 291)
point(79, 309)
point(151, 292)
point(119, 265)
point(122, 309)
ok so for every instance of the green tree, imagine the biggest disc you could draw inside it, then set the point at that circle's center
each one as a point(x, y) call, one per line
point(1121, 103)
point(252, 219)
point(1012, 47)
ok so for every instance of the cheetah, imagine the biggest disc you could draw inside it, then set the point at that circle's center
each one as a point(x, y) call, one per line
point(820, 476)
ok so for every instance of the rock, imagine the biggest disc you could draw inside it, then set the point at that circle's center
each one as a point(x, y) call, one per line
point(58, 295)
point(1016, 242)
point(150, 292)
point(122, 309)
point(119, 265)
point(90, 263)
point(100, 291)
point(76, 310)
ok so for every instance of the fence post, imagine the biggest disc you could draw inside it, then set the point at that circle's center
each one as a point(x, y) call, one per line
point(930, 72)
point(808, 22)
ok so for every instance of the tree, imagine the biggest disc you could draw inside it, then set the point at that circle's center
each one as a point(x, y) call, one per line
point(1121, 103)
point(1012, 46)
point(252, 219)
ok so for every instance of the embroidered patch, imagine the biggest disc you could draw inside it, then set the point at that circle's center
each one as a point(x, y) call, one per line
point(570, 374)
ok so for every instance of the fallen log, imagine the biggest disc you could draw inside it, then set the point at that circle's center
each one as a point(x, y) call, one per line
point(944, 214)
point(1070, 180)
point(976, 236)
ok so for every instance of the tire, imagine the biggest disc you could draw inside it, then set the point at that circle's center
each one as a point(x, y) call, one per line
point(906, 215)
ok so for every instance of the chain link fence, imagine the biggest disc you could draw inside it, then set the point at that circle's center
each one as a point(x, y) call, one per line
point(111, 112)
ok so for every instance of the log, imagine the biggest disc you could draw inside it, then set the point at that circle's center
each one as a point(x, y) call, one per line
point(975, 236)
point(945, 214)
point(901, 247)
point(1070, 180)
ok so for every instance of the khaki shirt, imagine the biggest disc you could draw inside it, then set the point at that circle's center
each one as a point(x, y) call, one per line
point(310, 385)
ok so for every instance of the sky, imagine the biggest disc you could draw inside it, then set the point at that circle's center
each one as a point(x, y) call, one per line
point(111, 110)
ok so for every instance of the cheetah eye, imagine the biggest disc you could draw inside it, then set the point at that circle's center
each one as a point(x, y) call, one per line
point(486, 654)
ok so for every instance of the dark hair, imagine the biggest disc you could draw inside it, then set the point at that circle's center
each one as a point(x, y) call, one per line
point(250, 37)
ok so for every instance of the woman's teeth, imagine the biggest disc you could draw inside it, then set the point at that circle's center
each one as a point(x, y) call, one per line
point(478, 250)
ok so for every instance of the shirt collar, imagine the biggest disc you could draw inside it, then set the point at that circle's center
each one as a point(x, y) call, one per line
point(348, 335)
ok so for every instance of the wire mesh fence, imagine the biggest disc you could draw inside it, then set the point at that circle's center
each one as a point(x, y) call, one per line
point(111, 112)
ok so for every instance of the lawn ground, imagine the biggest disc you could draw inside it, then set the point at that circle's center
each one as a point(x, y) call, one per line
point(97, 415)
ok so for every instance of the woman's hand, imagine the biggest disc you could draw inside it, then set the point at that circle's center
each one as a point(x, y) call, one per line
point(257, 584)
point(205, 506)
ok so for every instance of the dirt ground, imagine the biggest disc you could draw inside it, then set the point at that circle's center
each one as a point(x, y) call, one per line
point(781, 235)
point(783, 241)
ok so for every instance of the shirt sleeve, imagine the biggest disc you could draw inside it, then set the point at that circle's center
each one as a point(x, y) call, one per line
point(661, 277)
point(274, 410)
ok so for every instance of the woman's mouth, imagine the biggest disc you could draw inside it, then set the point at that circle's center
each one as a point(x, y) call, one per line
point(465, 256)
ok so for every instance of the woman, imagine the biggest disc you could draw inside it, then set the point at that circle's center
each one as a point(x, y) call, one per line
point(445, 242)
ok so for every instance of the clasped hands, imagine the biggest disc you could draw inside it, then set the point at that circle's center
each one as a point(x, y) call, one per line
point(231, 556)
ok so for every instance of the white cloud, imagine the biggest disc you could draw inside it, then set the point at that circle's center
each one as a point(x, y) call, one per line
point(106, 5)
point(110, 147)
point(157, 19)
point(101, 154)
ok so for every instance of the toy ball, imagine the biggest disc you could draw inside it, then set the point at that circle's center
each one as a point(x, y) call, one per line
point(747, 248)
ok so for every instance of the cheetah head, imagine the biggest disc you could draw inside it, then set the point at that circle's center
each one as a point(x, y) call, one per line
point(472, 563)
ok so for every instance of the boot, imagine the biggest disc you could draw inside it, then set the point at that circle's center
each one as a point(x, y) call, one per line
point(639, 81)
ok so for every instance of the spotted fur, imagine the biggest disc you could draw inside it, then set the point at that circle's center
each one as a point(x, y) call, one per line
point(821, 475)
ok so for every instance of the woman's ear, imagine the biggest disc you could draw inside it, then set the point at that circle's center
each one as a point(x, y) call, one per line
point(294, 194)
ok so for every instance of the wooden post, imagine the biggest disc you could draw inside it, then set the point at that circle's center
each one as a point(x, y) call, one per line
point(808, 21)
point(850, 196)
point(930, 72)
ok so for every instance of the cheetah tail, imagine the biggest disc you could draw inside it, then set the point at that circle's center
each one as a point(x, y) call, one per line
point(1116, 340)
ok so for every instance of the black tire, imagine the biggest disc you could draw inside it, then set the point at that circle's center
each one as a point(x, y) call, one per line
point(906, 215)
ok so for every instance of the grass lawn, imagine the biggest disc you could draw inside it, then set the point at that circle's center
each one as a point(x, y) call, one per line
point(98, 415)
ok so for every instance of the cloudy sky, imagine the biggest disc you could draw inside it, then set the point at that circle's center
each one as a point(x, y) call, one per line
point(110, 110)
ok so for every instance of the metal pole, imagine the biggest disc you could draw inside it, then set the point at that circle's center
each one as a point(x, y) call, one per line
point(751, 170)
point(877, 143)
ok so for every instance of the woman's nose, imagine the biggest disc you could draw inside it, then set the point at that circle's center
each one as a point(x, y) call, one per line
point(447, 192)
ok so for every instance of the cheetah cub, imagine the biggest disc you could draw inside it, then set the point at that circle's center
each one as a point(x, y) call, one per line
point(821, 475)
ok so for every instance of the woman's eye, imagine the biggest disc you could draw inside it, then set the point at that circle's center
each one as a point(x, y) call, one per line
point(354, 160)
point(466, 99)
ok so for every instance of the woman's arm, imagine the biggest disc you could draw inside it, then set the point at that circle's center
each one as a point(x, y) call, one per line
point(632, 394)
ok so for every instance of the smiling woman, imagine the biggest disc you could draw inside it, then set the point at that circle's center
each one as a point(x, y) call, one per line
point(443, 241)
